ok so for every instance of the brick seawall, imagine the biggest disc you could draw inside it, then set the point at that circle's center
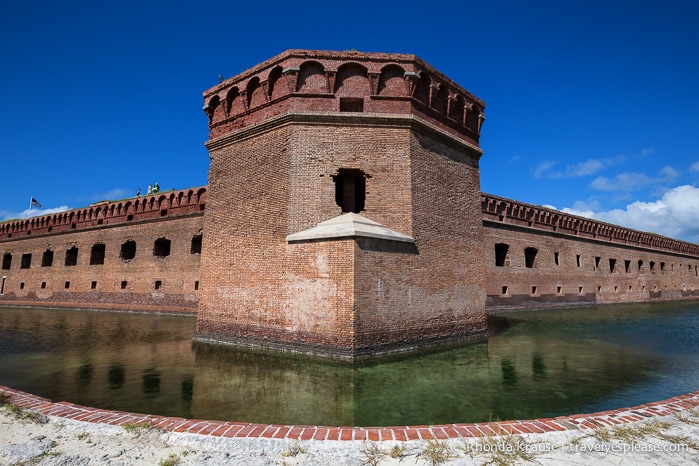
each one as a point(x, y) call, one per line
point(603, 419)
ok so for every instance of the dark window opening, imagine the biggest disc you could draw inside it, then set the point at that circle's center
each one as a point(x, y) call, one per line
point(501, 250)
point(6, 261)
point(73, 226)
point(43, 285)
point(351, 104)
point(100, 222)
point(530, 257)
point(533, 290)
point(202, 207)
point(123, 284)
point(72, 257)
point(580, 289)
point(97, 254)
point(21, 286)
point(196, 285)
point(640, 267)
point(504, 290)
point(350, 190)
point(577, 259)
point(555, 258)
point(161, 248)
point(597, 261)
point(651, 264)
point(26, 261)
point(196, 244)
point(67, 285)
point(599, 289)
point(93, 285)
point(47, 258)
point(662, 266)
point(163, 213)
point(627, 266)
point(158, 284)
point(612, 265)
point(559, 289)
point(129, 217)
point(128, 250)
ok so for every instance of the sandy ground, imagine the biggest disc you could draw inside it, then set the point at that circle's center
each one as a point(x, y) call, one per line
point(28, 438)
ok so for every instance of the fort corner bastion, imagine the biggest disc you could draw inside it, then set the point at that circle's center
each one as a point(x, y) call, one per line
point(343, 213)
point(343, 218)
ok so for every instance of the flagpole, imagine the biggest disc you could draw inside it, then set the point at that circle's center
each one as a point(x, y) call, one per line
point(30, 207)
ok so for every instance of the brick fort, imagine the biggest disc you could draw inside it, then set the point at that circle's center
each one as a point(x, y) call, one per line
point(343, 217)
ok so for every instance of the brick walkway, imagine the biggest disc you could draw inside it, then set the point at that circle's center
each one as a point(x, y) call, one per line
point(396, 433)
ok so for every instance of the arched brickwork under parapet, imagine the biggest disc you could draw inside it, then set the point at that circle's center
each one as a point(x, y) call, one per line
point(498, 209)
point(108, 213)
point(316, 81)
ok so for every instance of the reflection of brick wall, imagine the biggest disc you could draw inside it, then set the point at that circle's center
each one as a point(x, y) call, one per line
point(100, 285)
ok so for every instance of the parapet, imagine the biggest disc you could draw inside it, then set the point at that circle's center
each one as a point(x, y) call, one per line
point(502, 210)
point(306, 81)
point(163, 204)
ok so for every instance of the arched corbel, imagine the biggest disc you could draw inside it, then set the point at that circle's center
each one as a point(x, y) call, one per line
point(330, 77)
point(412, 78)
point(291, 75)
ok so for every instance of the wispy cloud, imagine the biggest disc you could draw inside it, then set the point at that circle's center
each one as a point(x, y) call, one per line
point(634, 181)
point(694, 167)
point(543, 167)
point(588, 167)
point(7, 215)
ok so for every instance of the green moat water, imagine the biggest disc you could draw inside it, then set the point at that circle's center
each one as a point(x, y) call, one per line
point(534, 364)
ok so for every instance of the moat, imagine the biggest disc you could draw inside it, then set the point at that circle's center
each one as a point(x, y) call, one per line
point(534, 364)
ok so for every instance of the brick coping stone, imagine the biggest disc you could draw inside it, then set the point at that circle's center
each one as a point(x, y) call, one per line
point(227, 429)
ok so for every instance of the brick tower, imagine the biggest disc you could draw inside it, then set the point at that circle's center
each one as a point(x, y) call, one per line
point(343, 216)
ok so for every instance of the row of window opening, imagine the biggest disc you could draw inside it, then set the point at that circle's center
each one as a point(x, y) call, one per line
point(161, 249)
point(502, 259)
point(581, 290)
point(157, 285)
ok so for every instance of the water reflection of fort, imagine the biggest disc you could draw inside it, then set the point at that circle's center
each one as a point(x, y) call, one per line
point(147, 363)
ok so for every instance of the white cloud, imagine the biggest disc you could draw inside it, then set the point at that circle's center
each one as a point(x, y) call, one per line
point(694, 167)
point(675, 214)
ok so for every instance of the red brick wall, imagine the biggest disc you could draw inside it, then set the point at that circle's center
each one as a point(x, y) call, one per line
point(514, 285)
point(178, 273)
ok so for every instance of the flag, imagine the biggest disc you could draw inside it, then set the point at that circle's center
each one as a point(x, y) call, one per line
point(35, 203)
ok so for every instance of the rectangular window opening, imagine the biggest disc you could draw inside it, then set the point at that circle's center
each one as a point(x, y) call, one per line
point(123, 284)
point(67, 285)
point(577, 259)
point(627, 266)
point(559, 289)
point(580, 289)
point(43, 285)
point(612, 265)
point(534, 289)
point(555, 258)
point(501, 250)
point(351, 104)
point(504, 290)
point(158, 284)
point(93, 285)
point(26, 261)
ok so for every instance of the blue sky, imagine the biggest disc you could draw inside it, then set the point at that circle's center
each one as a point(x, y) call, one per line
point(592, 106)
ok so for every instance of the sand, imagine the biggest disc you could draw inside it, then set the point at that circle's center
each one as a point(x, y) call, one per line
point(29, 438)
